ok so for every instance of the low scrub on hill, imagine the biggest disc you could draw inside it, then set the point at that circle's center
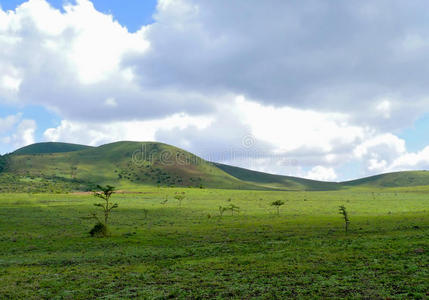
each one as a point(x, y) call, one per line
point(3, 162)
point(10, 183)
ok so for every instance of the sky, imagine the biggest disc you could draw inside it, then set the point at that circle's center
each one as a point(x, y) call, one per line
point(322, 89)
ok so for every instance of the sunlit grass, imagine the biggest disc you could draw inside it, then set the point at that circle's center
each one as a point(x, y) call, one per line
point(191, 252)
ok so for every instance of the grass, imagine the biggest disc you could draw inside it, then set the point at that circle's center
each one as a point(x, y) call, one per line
point(50, 147)
point(190, 252)
point(120, 164)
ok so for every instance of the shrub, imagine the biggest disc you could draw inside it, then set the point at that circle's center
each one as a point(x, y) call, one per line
point(230, 207)
point(343, 211)
point(99, 230)
point(233, 208)
point(3, 163)
point(277, 204)
point(179, 197)
point(222, 210)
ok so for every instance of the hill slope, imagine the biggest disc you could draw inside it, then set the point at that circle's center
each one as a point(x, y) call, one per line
point(49, 147)
point(3, 163)
point(277, 181)
point(395, 179)
point(129, 165)
point(126, 165)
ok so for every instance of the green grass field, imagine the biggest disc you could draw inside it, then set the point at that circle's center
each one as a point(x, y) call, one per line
point(191, 252)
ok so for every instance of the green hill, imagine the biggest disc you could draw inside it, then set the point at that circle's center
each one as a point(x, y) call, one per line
point(126, 165)
point(49, 147)
point(3, 163)
point(277, 181)
point(395, 179)
point(130, 165)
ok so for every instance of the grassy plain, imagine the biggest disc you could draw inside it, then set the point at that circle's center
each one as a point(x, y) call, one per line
point(192, 252)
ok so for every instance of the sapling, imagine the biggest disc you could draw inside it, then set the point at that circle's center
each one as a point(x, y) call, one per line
point(277, 204)
point(105, 194)
point(73, 171)
point(233, 208)
point(343, 211)
point(145, 212)
point(165, 200)
point(179, 197)
point(222, 210)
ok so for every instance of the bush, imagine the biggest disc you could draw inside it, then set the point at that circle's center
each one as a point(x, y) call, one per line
point(179, 197)
point(343, 211)
point(277, 204)
point(3, 163)
point(99, 230)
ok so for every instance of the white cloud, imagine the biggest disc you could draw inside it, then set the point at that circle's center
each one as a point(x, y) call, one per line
point(80, 57)
point(8, 122)
point(10, 83)
point(271, 139)
point(379, 151)
point(74, 59)
point(376, 145)
point(206, 74)
point(322, 173)
point(92, 42)
point(280, 62)
point(291, 129)
point(100, 42)
point(97, 133)
point(24, 134)
point(111, 102)
point(387, 153)
point(384, 108)
point(16, 132)
point(410, 44)
point(411, 161)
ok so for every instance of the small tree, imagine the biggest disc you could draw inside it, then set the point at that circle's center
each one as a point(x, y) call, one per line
point(179, 197)
point(145, 211)
point(73, 172)
point(277, 204)
point(233, 208)
point(105, 194)
point(165, 200)
point(343, 211)
point(222, 210)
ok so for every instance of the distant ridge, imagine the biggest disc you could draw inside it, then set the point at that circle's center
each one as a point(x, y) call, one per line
point(277, 181)
point(49, 147)
point(394, 179)
point(131, 165)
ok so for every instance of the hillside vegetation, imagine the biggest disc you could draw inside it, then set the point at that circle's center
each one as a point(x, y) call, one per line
point(49, 147)
point(278, 181)
point(3, 163)
point(127, 165)
point(61, 167)
point(395, 179)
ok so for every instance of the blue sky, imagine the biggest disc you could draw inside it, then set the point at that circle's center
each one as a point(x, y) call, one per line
point(417, 136)
point(131, 13)
point(43, 117)
point(210, 76)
